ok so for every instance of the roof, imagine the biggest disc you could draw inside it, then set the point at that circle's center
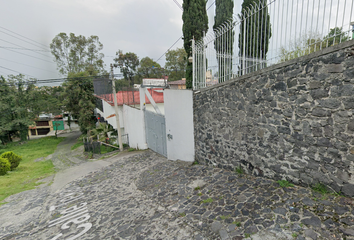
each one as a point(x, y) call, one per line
point(129, 97)
point(178, 82)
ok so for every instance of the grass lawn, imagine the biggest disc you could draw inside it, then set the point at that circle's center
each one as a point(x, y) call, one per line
point(25, 176)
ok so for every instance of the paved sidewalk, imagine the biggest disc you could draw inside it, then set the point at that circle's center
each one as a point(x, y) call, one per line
point(145, 196)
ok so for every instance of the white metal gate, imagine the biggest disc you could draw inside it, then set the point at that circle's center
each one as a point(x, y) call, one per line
point(156, 132)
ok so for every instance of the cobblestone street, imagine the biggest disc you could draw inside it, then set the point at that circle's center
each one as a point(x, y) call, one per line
point(145, 196)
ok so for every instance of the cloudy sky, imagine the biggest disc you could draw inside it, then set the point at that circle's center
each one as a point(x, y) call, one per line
point(145, 27)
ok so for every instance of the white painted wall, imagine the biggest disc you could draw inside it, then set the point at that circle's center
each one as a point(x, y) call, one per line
point(179, 123)
point(134, 126)
point(109, 110)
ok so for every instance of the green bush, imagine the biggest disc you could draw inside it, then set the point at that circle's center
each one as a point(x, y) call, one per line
point(4, 166)
point(13, 158)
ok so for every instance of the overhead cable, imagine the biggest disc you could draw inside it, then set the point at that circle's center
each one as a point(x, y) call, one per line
point(24, 40)
point(28, 55)
point(22, 46)
point(169, 48)
point(16, 71)
point(179, 5)
point(27, 65)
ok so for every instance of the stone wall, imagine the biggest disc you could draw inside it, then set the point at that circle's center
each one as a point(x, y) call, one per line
point(290, 121)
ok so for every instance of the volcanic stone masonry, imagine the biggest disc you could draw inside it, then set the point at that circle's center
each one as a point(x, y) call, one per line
point(292, 121)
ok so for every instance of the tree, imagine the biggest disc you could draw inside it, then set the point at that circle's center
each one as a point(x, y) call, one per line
point(335, 36)
point(16, 107)
point(195, 23)
point(74, 54)
point(255, 31)
point(148, 68)
point(79, 99)
point(128, 64)
point(176, 64)
point(224, 45)
point(312, 42)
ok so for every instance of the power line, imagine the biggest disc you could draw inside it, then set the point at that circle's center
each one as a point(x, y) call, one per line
point(16, 71)
point(210, 5)
point(39, 50)
point(27, 65)
point(22, 39)
point(179, 5)
point(182, 35)
point(21, 47)
point(25, 37)
point(28, 55)
point(169, 48)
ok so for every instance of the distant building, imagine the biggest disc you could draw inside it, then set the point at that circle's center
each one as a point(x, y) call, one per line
point(179, 84)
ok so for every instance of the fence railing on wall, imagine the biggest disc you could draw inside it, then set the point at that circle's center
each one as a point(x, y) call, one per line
point(267, 33)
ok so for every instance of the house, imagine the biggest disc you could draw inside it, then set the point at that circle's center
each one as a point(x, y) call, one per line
point(179, 84)
point(105, 105)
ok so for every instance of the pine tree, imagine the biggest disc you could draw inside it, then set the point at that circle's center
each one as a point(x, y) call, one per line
point(257, 31)
point(224, 46)
point(195, 22)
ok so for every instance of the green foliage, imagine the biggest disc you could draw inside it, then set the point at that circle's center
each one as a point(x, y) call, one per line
point(257, 34)
point(148, 68)
point(13, 158)
point(238, 224)
point(74, 54)
point(223, 217)
point(79, 99)
point(5, 166)
point(16, 107)
point(27, 174)
point(128, 64)
point(224, 45)
point(176, 64)
point(321, 188)
point(247, 235)
point(195, 22)
point(131, 150)
point(209, 200)
point(239, 170)
point(195, 162)
point(285, 183)
point(196, 188)
point(311, 43)
point(101, 131)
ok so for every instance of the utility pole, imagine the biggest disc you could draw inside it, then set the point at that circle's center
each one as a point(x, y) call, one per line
point(116, 110)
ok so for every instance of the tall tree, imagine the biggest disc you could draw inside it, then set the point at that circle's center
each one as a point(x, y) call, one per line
point(176, 64)
point(195, 23)
point(128, 64)
point(224, 45)
point(74, 54)
point(16, 107)
point(255, 31)
point(79, 99)
point(148, 68)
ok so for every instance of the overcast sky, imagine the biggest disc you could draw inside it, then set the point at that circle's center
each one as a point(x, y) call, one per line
point(145, 27)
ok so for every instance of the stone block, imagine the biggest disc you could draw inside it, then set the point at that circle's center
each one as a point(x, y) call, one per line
point(334, 68)
point(279, 86)
point(331, 103)
point(348, 190)
point(319, 93)
point(320, 112)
